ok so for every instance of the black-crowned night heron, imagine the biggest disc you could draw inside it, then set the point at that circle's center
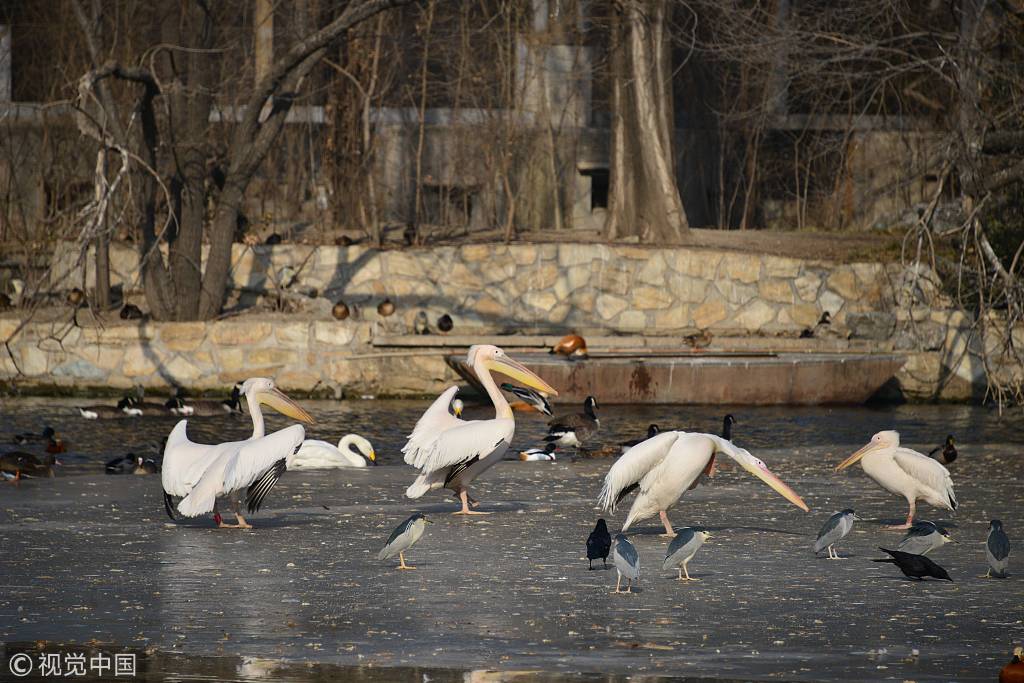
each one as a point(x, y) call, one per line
point(627, 562)
point(834, 530)
point(924, 537)
point(914, 566)
point(404, 537)
point(576, 429)
point(599, 544)
point(683, 547)
point(997, 550)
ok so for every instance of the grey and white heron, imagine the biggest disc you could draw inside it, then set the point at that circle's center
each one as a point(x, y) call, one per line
point(683, 547)
point(834, 530)
point(665, 467)
point(924, 537)
point(627, 562)
point(997, 550)
point(404, 537)
point(904, 472)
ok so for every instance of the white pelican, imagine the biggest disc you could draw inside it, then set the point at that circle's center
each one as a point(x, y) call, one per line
point(200, 472)
point(904, 472)
point(665, 466)
point(450, 452)
point(352, 451)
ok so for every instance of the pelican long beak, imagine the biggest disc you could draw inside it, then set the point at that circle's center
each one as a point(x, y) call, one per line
point(284, 405)
point(857, 456)
point(519, 372)
point(759, 470)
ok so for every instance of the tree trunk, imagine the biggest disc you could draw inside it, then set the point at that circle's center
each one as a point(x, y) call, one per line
point(644, 196)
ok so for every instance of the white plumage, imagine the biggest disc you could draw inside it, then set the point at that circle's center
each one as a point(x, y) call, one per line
point(235, 465)
point(199, 473)
point(352, 451)
point(450, 452)
point(904, 472)
point(665, 466)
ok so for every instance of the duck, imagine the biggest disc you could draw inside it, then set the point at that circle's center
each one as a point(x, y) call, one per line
point(652, 431)
point(946, 453)
point(18, 464)
point(531, 454)
point(47, 434)
point(576, 429)
point(145, 466)
point(420, 324)
point(131, 312)
point(122, 464)
point(124, 408)
point(700, 340)
point(572, 346)
point(352, 451)
point(530, 399)
point(54, 444)
point(340, 310)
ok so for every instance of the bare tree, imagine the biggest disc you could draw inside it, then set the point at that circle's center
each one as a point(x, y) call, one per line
point(185, 171)
point(644, 199)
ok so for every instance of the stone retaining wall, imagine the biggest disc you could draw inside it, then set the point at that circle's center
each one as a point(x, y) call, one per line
point(609, 289)
point(490, 289)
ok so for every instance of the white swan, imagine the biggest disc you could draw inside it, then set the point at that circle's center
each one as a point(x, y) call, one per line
point(352, 451)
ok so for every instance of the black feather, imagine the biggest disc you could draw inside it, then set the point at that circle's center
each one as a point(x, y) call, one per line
point(456, 470)
point(169, 506)
point(914, 566)
point(259, 489)
point(626, 491)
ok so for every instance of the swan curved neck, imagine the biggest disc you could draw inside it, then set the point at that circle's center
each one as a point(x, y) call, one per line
point(258, 430)
point(501, 407)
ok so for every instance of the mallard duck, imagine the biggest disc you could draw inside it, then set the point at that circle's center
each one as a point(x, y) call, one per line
point(18, 464)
